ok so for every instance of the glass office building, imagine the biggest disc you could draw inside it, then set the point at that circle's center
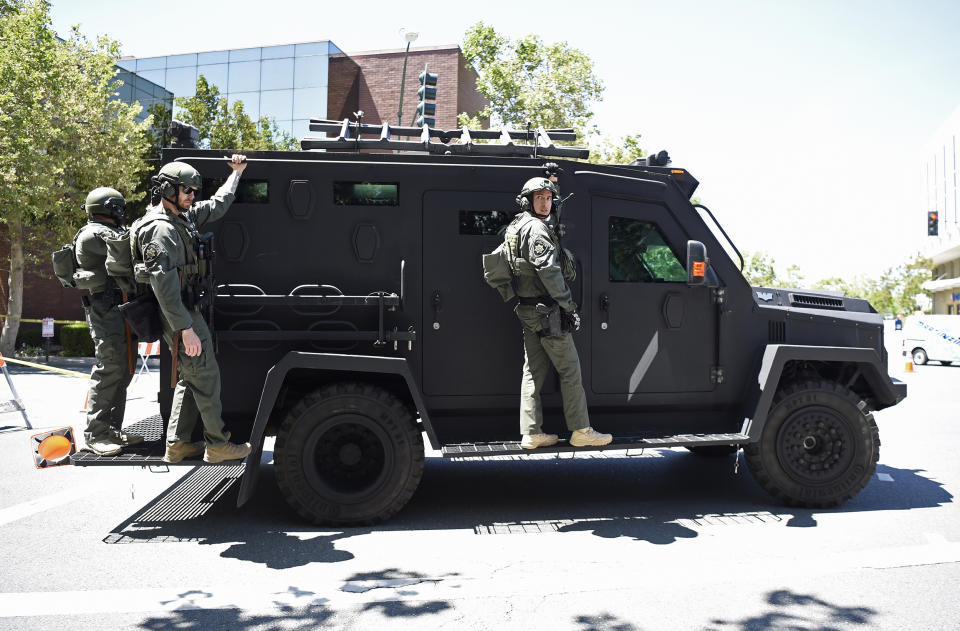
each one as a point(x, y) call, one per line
point(147, 93)
point(290, 83)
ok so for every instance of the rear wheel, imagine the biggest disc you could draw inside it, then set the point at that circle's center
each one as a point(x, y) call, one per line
point(819, 446)
point(348, 454)
point(919, 356)
point(945, 363)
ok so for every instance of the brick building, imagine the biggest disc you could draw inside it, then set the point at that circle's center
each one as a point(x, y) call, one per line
point(323, 81)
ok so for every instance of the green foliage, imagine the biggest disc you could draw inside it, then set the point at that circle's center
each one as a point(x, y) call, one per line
point(224, 126)
point(62, 131)
point(549, 84)
point(29, 337)
point(895, 290)
point(622, 151)
point(758, 270)
point(76, 341)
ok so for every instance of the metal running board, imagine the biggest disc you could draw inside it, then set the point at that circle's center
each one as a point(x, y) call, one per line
point(479, 450)
point(149, 453)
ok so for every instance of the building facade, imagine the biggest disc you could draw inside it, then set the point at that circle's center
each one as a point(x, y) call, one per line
point(296, 82)
point(941, 194)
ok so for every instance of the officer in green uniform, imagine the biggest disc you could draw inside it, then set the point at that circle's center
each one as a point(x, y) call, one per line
point(540, 271)
point(112, 374)
point(165, 245)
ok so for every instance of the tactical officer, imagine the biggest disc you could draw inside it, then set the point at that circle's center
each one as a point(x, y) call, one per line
point(113, 346)
point(167, 250)
point(540, 269)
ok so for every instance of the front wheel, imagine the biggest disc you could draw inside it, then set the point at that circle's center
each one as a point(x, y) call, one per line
point(819, 446)
point(919, 356)
point(348, 454)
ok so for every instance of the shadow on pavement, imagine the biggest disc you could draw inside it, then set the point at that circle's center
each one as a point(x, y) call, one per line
point(800, 612)
point(660, 497)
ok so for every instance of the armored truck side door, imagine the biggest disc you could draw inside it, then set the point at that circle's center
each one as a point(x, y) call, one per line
point(471, 343)
point(651, 333)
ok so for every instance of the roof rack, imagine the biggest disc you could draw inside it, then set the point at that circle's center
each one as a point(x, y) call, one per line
point(460, 141)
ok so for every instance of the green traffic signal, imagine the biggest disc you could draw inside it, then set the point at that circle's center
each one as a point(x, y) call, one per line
point(425, 111)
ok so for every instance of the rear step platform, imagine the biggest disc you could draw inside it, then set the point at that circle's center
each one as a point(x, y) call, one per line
point(149, 453)
point(479, 450)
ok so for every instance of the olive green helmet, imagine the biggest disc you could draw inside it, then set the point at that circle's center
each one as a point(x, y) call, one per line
point(105, 201)
point(174, 174)
point(525, 198)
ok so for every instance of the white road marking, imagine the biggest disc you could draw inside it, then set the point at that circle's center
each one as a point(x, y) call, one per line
point(26, 509)
point(885, 477)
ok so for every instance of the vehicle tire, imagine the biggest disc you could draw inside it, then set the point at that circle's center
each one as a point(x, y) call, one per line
point(945, 363)
point(919, 356)
point(349, 454)
point(819, 446)
point(714, 451)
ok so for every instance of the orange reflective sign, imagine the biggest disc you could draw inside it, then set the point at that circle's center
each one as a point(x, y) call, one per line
point(699, 268)
point(53, 448)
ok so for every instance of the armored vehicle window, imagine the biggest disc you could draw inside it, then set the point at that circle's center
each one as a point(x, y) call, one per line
point(248, 191)
point(366, 194)
point(639, 254)
point(484, 222)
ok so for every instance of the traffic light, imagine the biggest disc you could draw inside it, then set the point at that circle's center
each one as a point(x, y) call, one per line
point(425, 110)
point(932, 224)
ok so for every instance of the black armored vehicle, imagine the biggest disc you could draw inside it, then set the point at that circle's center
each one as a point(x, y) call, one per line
point(351, 318)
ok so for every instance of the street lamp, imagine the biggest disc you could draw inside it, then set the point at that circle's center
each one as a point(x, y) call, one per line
point(410, 37)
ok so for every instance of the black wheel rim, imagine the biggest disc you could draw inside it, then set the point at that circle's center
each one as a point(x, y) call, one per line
point(347, 458)
point(815, 446)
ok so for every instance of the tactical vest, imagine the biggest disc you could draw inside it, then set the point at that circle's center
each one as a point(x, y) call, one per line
point(124, 258)
point(511, 242)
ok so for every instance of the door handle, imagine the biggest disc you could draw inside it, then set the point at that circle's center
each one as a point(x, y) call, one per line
point(435, 301)
point(604, 311)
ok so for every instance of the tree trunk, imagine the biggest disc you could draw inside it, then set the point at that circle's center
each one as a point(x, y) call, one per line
point(11, 326)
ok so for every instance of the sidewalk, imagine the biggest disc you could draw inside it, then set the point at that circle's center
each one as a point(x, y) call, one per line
point(56, 400)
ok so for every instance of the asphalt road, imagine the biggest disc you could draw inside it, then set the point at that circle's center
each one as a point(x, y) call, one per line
point(656, 540)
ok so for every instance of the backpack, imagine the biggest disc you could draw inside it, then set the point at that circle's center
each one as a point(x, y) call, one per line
point(65, 266)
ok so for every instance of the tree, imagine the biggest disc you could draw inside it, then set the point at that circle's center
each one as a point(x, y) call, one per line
point(758, 270)
point(63, 132)
point(550, 85)
point(223, 126)
point(622, 151)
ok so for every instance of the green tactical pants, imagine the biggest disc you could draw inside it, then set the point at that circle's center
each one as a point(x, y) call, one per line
point(111, 376)
point(198, 389)
point(539, 353)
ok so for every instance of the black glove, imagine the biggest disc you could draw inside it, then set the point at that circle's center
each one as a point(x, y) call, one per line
point(572, 320)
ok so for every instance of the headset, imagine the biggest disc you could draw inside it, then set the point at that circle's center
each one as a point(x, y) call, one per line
point(165, 184)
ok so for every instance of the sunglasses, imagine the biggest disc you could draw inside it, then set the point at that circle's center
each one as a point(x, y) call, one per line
point(187, 190)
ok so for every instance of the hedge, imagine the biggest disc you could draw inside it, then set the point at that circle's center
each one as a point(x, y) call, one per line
point(76, 340)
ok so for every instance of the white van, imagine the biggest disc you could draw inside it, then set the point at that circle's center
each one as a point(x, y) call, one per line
point(935, 337)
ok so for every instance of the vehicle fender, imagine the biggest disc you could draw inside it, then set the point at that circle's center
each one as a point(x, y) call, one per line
point(327, 362)
point(886, 391)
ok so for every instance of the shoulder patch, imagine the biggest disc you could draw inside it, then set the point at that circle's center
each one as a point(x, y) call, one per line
point(151, 253)
point(540, 247)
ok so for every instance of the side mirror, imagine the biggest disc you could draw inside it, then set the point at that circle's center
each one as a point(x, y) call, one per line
point(697, 263)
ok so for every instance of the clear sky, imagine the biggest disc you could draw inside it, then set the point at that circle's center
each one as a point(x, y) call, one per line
point(805, 122)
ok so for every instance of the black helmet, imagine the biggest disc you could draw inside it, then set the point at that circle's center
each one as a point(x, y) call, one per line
point(525, 198)
point(174, 174)
point(105, 201)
